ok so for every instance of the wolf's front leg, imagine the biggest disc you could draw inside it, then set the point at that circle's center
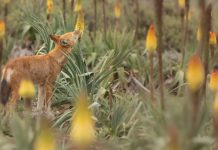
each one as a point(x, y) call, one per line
point(41, 98)
point(48, 99)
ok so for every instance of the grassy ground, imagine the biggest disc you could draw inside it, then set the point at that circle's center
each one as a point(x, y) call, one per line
point(113, 69)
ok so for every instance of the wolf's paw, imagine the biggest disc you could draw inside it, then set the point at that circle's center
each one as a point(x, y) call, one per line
point(50, 115)
point(37, 112)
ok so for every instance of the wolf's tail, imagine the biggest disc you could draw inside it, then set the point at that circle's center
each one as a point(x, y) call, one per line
point(5, 91)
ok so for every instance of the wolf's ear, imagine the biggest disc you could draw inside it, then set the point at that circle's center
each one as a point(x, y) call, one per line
point(55, 38)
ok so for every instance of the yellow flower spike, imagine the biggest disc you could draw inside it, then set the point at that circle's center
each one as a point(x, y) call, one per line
point(50, 6)
point(213, 40)
point(195, 73)
point(151, 40)
point(181, 4)
point(2, 29)
point(213, 84)
point(189, 17)
point(45, 139)
point(27, 89)
point(215, 105)
point(117, 9)
point(80, 23)
point(83, 127)
point(199, 34)
point(78, 6)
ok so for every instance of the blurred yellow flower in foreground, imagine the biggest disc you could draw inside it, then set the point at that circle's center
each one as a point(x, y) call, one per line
point(213, 84)
point(27, 89)
point(83, 127)
point(213, 40)
point(151, 40)
point(50, 6)
point(117, 9)
point(2, 29)
point(195, 73)
point(181, 4)
point(45, 139)
point(80, 23)
point(78, 6)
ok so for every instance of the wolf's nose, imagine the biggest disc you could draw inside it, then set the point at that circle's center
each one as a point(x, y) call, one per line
point(77, 32)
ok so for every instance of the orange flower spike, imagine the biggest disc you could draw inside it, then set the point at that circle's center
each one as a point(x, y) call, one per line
point(2, 29)
point(213, 39)
point(195, 73)
point(117, 9)
point(151, 40)
point(213, 84)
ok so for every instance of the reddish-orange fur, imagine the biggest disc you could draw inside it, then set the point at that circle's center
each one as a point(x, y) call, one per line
point(40, 69)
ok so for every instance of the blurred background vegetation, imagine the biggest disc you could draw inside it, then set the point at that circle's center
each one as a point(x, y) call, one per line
point(111, 65)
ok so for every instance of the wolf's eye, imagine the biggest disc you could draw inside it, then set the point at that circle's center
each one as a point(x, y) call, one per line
point(64, 42)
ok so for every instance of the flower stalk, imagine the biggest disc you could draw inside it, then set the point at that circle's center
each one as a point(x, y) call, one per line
point(104, 17)
point(95, 15)
point(159, 23)
point(6, 7)
point(195, 76)
point(213, 43)
point(137, 18)
point(64, 10)
point(151, 46)
point(185, 23)
point(215, 120)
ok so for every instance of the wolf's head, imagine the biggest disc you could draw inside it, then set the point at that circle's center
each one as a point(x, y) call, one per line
point(66, 40)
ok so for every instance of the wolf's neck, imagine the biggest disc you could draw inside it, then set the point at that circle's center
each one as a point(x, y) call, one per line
point(59, 54)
